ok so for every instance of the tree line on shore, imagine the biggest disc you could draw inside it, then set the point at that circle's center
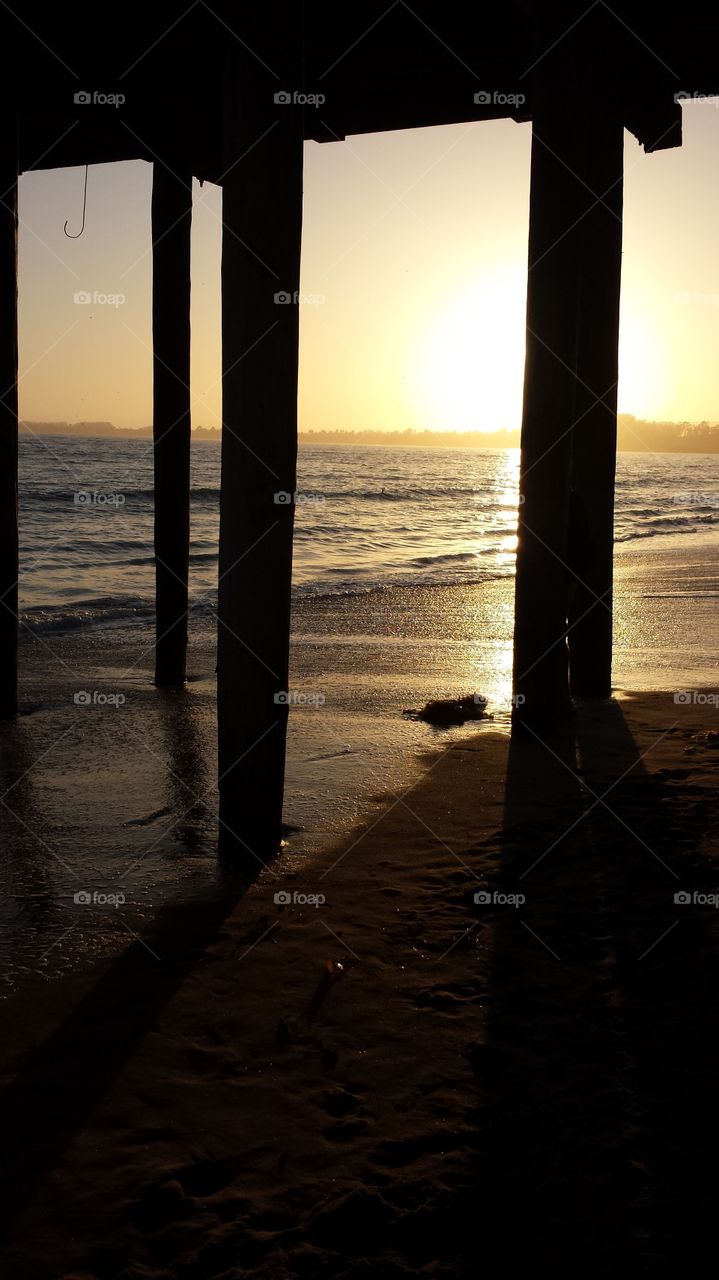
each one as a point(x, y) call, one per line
point(634, 435)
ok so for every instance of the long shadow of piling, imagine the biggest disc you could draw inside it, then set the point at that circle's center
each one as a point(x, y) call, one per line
point(663, 988)
point(27, 867)
point(58, 1083)
point(600, 1138)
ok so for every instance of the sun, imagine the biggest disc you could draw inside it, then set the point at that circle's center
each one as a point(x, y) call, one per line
point(467, 360)
point(645, 364)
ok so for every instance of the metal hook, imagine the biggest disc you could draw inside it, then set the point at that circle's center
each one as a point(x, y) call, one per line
point(84, 206)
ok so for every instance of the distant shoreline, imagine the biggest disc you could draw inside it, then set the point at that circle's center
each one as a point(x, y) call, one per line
point(634, 436)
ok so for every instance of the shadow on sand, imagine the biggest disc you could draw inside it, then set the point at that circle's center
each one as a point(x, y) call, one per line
point(592, 1147)
point(57, 1084)
point(604, 1033)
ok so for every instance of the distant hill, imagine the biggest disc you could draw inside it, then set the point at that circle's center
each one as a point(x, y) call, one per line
point(103, 430)
point(71, 429)
point(635, 435)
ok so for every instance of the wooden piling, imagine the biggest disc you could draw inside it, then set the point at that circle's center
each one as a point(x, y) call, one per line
point(262, 218)
point(9, 567)
point(171, 226)
point(594, 438)
point(540, 686)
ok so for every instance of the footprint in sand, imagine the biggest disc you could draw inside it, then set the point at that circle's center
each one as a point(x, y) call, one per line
point(159, 1205)
point(347, 1110)
point(406, 1150)
point(352, 1117)
point(450, 998)
point(205, 1177)
point(347, 1131)
point(339, 1102)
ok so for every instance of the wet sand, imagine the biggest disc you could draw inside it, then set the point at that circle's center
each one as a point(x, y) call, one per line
point(495, 1086)
point(120, 799)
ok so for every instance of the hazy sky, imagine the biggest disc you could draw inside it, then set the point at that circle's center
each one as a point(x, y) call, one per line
point(414, 264)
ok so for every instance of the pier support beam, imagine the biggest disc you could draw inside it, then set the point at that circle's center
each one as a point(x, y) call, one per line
point(594, 438)
point(9, 569)
point(171, 225)
point(572, 335)
point(541, 688)
point(262, 218)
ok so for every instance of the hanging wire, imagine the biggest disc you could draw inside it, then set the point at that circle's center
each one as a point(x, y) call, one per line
point(84, 206)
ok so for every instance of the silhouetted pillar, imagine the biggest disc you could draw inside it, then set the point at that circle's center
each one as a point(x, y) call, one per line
point(541, 690)
point(594, 439)
point(171, 225)
point(262, 216)
point(8, 417)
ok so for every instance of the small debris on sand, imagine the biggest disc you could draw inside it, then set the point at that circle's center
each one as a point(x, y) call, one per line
point(448, 711)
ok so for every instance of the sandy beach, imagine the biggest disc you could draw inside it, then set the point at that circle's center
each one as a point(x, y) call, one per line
point(350, 1064)
point(359, 686)
point(385, 1076)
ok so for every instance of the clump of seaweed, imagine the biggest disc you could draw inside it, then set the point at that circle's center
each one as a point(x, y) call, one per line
point(450, 711)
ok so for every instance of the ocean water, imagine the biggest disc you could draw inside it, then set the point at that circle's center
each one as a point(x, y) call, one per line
point(366, 519)
point(403, 592)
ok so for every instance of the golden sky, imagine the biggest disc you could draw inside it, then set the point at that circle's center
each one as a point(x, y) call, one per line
point(414, 277)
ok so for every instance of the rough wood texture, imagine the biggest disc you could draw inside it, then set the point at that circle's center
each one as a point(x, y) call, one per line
point(262, 216)
point(541, 689)
point(8, 419)
point(171, 225)
point(594, 439)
